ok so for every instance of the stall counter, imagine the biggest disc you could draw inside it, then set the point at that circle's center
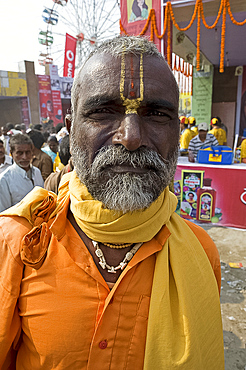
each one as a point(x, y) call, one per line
point(229, 182)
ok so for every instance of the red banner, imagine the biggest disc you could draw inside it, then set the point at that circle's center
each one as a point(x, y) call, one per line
point(70, 53)
point(25, 118)
point(57, 107)
point(45, 98)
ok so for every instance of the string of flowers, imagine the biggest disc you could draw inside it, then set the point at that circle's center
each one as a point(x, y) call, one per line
point(122, 30)
point(152, 32)
point(169, 39)
point(144, 30)
point(216, 20)
point(231, 16)
point(185, 70)
point(198, 36)
point(170, 9)
point(165, 24)
point(222, 43)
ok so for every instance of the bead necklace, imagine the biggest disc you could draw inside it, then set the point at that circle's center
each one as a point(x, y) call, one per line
point(118, 246)
point(122, 265)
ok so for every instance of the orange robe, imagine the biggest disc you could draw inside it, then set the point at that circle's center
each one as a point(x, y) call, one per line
point(63, 315)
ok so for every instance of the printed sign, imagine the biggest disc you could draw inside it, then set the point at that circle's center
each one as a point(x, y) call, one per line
point(45, 98)
point(70, 53)
point(191, 181)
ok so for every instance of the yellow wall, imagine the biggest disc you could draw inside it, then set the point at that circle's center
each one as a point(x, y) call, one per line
point(12, 84)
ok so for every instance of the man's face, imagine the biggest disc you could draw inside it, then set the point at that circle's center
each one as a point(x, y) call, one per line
point(202, 135)
point(22, 155)
point(2, 153)
point(125, 129)
point(53, 146)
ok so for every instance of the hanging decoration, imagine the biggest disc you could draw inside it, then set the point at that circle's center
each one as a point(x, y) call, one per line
point(199, 14)
point(183, 72)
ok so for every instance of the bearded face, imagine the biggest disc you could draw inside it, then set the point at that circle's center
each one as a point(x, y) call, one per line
point(125, 129)
point(126, 191)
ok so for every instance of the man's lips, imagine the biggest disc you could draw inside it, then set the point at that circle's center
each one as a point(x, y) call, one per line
point(127, 168)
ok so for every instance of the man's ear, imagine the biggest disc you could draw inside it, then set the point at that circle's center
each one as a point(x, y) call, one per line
point(68, 122)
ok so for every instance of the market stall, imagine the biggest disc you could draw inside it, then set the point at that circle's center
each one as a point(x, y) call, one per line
point(222, 203)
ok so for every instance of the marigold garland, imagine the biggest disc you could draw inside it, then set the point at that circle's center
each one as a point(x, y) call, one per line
point(222, 44)
point(198, 36)
point(231, 16)
point(216, 20)
point(199, 13)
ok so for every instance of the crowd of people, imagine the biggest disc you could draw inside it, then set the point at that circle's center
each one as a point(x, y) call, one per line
point(195, 136)
point(29, 158)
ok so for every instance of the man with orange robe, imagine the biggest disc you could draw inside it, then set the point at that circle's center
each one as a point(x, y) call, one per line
point(106, 275)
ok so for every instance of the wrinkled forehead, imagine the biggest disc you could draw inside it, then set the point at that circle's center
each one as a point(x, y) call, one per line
point(104, 72)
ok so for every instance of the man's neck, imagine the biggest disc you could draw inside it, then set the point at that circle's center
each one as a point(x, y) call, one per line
point(113, 256)
point(2, 160)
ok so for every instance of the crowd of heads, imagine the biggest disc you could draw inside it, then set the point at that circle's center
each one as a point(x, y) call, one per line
point(36, 136)
point(189, 122)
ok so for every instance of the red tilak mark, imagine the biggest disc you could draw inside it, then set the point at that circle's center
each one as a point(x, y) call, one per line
point(132, 72)
point(132, 94)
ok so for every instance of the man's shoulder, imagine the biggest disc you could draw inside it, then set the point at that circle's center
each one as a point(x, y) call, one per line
point(8, 159)
point(8, 173)
point(195, 139)
point(44, 156)
point(206, 242)
point(12, 231)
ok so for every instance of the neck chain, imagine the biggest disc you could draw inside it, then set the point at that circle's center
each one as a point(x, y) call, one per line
point(118, 246)
point(122, 265)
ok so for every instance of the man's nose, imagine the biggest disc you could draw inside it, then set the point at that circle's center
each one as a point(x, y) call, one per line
point(130, 133)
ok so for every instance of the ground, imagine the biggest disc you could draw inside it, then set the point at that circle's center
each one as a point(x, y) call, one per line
point(231, 244)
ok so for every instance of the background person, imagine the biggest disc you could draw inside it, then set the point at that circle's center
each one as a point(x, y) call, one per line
point(218, 132)
point(5, 160)
point(193, 127)
point(200, 141)
point(51, 149)
point(243, 151)
point(53, 181)
point(20, 178)
point(5, 138)
point(113, 276)
point(40, 159)
point(185, 135)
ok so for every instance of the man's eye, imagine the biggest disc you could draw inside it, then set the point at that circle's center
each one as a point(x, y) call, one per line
point(100, 111)
point(157, 113)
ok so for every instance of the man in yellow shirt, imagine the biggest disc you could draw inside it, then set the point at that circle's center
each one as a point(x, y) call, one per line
point(106, 275)
point(243, 151)
point(193, 127)
point(218, 132)
point(185, 136)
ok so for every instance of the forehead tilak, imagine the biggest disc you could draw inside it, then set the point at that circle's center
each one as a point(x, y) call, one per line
point(131, 105)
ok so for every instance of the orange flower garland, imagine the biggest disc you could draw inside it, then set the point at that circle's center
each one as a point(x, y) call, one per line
point(198, 36)
point(231, 16)
point(216, 20)
point(169, 6)
point(222, 44)
point(199, 13)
